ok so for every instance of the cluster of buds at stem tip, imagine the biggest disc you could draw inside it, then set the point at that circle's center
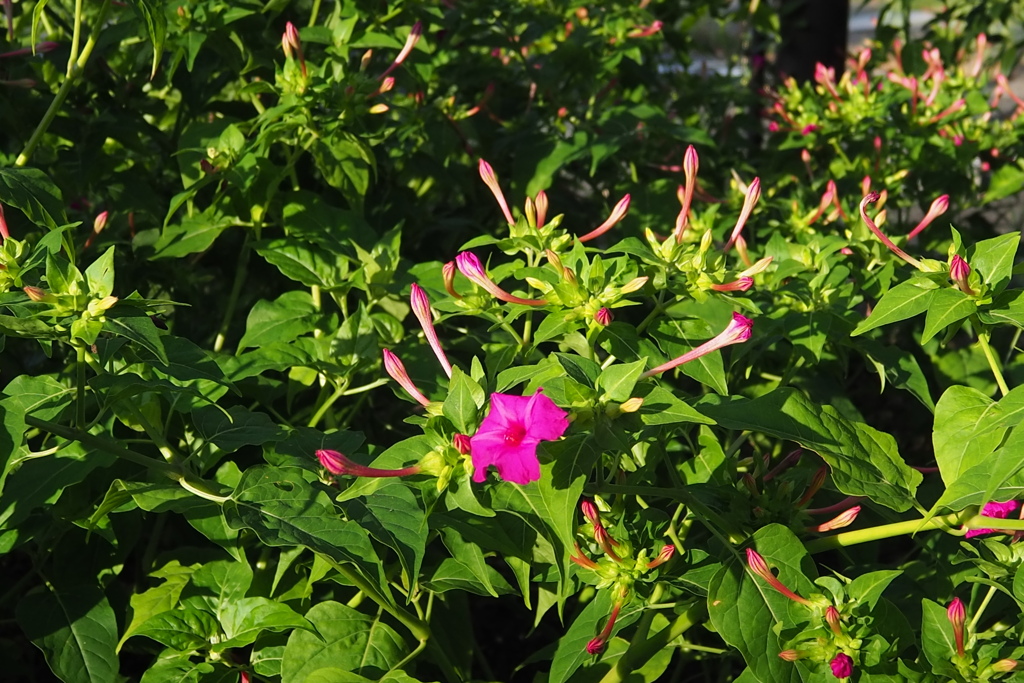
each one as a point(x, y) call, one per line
point(470, 266)
point(957, 617)
point(937, 208)
point(410, 43)
point(336, 463)
point(753, 194)
point(691, 162)
point(396, 370)
point(959, 271)
point(739, 330)
point(871, 198)
point(759, 567)
point(491, 181)
point(617, 214)
point(421, 309)
point(293, 46)
point(601, 535)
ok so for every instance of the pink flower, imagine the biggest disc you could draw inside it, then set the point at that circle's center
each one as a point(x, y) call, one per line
point(421, 309)
point(842, 665)
point(617, 214)
point(737, 331)
point(995, 510)
point(470, 266)
point(509, 436)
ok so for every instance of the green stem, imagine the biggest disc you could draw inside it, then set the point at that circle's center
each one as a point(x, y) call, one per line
point(981, 609)
point(65, 88)
point(418, 628)
point(992, 362)
point(877, 533)
point(241, 273)
point(325, 406)
point(80, 387)
point(76, 37)
point(641, 651)
point(314, 12)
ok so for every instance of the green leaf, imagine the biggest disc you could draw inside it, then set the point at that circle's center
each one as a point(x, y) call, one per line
point(100, 275)
point(866, 589)
point(158, 599)
point(661, 407)
point(183, 628)
point(1005, 181)
point(962, 437)
point(583, 370)
point(937, 639)
point(863, 461)
point(993, 259)
point(194, 234)
point(31, 190)
point(283, 509)
point(288, 317)
point(155, 20)
point(903, 301)
point(306, 263)
point(75, 628)
point(946, 306)
point(571, 652)
point(465, 398)
point(749, 614)
point(994, 477)
point(139, 329)
point(392, 515)
point(240, 427)
point(618, 380)
point(244, 619)
point(349, 640)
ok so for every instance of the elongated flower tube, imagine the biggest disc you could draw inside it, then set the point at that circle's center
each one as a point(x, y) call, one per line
point(448, 273)
point(541, 203)
point(843, 519)
point(749, 202)
point(470, 266)
point(664, 556)
point(691, 163)
point(394, 367)
point(949, 111)
point(410, 43)
point(421, 309)
point(826, 201)
point(957, 616)
point(617, 214)
point(759, 567)
point(842, 665)
point(741, 285)
point(4, 231)
point(597, 645)
point(816, 483)
point(937, 208)
point(336, 463)
point(491, 181)
point(738, 331)
point(981, 42)
point(98, 224)
point(580, 558)
point(871, 198)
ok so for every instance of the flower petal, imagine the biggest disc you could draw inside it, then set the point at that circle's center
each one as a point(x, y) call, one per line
point(519, 464)
point(544, 420)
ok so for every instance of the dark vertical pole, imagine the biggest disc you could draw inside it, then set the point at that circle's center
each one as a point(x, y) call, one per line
point(812, 31)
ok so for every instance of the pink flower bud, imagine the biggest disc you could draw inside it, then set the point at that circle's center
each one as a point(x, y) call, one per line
point(959, 272)
point(617, 214)
point(1004, 665)
point(740, 285)
point(844, 519)
point(542, 208)
point(461, 443)
point(421, 309)
point(870, 199)
point(937, 208)
point(949, 111)
point(645, 31)
point(469, 265)
point(691, 164)
point(791, 655)
point(4, 230)
point(292, 46)
point(753, 194)
point(336, 463)
point(448, 273)
point(957, 616)
point(410, 43)
point(36, 294)
point(590, 512)
point(832, 619)
point(491, 181)
point(598, 644)
point(603, 317)
point(396, 370)
point(842, 665)
point(580, 558)
point(760, 568)
point(664, 556)
point(738, 331)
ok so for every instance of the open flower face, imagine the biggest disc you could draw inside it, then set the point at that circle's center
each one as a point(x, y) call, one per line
point(509, 436)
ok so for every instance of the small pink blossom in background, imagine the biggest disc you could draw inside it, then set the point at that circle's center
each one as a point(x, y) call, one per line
point(773, 127)
point(997, 510)
point(808, 129)
point(509, 436)
point(842, 665)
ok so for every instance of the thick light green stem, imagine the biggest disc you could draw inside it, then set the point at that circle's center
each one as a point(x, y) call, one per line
point(877, 533)
point(993, 363)
point(76, 37)
point(74, 71)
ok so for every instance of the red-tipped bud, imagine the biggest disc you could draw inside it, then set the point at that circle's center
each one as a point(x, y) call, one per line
point(590, 512)
point(753, 194)
point(957, 617)
point(410, 43)
point(959, 272)
point(617, 214)
point(470, 266)
point(461, 443)
point(541, 202)
point(448, 273)
point(842, 665)
point(421, 309)
point(1004, 665)
point(580, 558)
point(336, 463)
point(871, 198)
point(832, 619)
point(4, 230)
point(791, 655)
point(491, 181)
point(949, 111)
point(843, 519)
point(598, 644)
point(396, 370)
point(816, 483)
point(937, 208)
point(292, 45)
point(38, 295)
point(759, 567)
point(603, 317)
point(740, 285)
point(738, 331)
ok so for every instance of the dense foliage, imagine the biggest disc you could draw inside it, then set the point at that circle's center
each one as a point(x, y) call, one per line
point(317, 370)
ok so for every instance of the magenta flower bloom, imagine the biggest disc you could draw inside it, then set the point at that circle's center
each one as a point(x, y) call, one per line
point(996, 510)
point(509, 436)
point(842, 665)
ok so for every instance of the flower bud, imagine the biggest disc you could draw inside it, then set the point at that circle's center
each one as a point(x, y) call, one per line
point(604, 317)
point(448, 273)
point(336, 463)
point(38, 295)
point(634, 285)
point(959, 271)
point(1004, 665)
point(842, 665)
point(461, 443)
point(617, 214)
point(541, 203)
point(631, 405)
point(396, 370)
point(832, 619)
point(491, 181)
